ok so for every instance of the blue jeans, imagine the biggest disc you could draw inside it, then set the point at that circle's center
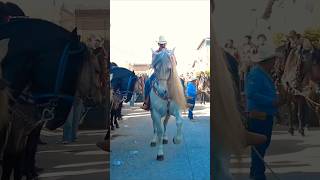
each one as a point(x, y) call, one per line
point(133, 99)
point(70, 127)
point(264, 127)
point(147, 86)
point(193, 102)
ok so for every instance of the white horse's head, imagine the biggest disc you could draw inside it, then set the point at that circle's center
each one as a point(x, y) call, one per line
point(162, 64)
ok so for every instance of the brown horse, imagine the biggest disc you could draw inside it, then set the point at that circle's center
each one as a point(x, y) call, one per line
point(293, 77)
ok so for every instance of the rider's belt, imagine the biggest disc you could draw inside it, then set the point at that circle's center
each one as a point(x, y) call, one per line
point(257, 115)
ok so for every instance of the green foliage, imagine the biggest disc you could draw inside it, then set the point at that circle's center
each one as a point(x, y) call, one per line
point(313, 34)
point(278, 38)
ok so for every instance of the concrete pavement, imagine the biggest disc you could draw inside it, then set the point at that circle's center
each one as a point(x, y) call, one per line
point(132, 158)
point(77, 161)
point(290, 157)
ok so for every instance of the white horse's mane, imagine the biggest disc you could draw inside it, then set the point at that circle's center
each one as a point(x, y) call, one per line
point(175, 88)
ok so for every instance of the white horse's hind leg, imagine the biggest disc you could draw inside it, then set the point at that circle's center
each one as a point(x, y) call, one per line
point(177, 139)
point(165, 122)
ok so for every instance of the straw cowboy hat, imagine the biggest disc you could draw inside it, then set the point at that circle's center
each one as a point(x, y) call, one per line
point(162, 40)
point(264, 53)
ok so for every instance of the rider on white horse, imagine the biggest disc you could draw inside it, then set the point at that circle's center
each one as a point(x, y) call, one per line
point(146, 105)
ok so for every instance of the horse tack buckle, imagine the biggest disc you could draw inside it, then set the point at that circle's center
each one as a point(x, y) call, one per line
point(48, 114)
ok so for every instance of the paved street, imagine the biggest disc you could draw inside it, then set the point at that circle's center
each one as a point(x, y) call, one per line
point(132, 158)
point(290, 157)
point(78, 161)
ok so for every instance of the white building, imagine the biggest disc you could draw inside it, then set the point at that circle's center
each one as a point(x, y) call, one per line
point(202, 63)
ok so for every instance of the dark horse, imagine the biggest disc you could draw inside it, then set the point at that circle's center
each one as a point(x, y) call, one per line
point(123, 84)
point(42, 68)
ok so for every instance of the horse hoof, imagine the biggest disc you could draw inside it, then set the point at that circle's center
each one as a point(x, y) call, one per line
point(112, 128)
point(153, 144)
point(160, 157)
point(165, 141)
point(117, 126)
point(291, 131)
point(176, 141)
point(301, 131)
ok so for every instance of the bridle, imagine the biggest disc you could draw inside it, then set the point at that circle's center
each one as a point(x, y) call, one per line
point(125, 93)
point(41, 100)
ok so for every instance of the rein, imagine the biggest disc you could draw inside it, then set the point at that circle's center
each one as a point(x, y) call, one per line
point(164, 97)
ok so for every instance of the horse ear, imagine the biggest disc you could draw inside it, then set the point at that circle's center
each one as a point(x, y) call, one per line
point(75, 31)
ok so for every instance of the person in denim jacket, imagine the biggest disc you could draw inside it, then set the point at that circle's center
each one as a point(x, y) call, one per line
point(262, 104)
point(191, 96)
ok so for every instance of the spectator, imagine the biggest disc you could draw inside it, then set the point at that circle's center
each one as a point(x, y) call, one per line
point(230, 48)
point(262, 103)
point(191, 96)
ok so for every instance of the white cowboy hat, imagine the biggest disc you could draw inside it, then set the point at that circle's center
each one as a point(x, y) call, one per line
point(193, 78)
point(162, 40)
point(264, 53)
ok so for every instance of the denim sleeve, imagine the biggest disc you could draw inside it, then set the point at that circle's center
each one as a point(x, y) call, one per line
point(191, 90)
point(253, 90)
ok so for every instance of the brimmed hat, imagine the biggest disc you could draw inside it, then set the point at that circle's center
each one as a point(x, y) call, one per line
point(264, 53)
point(162, 40)
point(193, 79)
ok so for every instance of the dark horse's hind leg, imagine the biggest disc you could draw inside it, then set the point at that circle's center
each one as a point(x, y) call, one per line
point(117, 117)
point(30, 153)
point(11, 161)
point(293, 110)
point(112, 117)
point(302, 113)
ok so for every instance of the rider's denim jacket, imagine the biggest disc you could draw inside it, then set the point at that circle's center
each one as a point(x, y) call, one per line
point(260, 91)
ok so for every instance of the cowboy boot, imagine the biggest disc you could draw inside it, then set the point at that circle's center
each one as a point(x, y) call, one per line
point(254, 138)
point(146, 104)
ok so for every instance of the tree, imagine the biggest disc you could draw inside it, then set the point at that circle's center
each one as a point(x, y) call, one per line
point(313, 34)
point(278, 38)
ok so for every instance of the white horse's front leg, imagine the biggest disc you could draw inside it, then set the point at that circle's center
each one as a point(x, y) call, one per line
point(178, 138)
point(165, 137)
point(156, 118)
point(155, 137)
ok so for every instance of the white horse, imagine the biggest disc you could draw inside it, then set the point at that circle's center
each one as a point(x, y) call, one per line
point(167, 98)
